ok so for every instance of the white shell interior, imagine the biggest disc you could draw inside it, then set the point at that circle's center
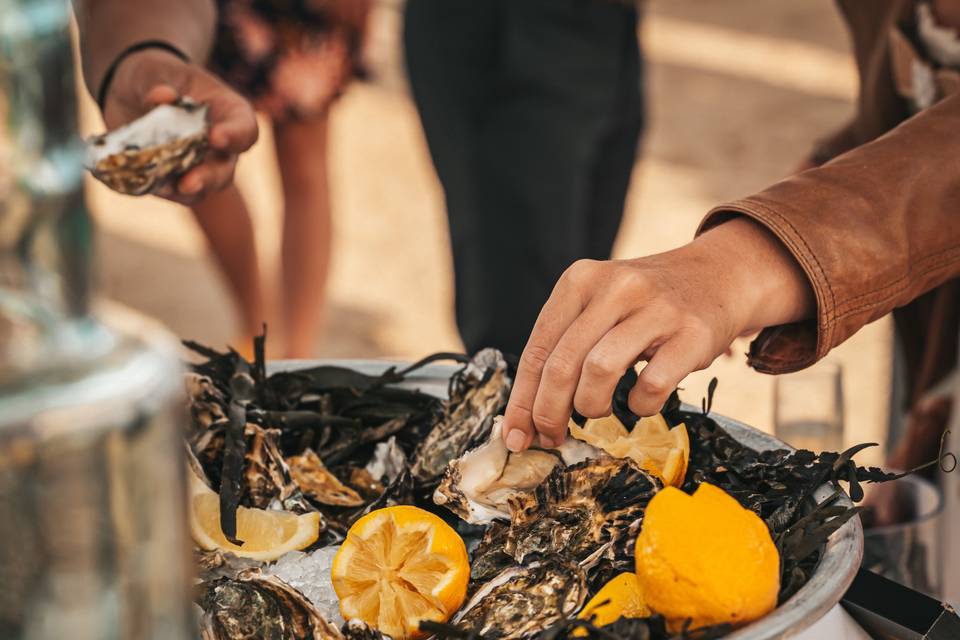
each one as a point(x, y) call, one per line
point(160, 126)
point(490, 474)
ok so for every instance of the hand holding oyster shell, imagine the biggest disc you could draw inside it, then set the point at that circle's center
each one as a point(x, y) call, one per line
point(158, 142)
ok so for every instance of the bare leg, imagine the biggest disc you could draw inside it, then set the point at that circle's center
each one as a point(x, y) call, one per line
point(226, 223)
point(302, 154)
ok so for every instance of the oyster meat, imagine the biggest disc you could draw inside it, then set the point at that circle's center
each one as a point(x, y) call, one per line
point(478, 392)
point(524, 600)
point(256, 606)
point(480, 485)
point(144, 155)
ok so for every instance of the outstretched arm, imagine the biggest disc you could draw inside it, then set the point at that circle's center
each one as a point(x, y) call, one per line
point(809, 260)
point(141, 80)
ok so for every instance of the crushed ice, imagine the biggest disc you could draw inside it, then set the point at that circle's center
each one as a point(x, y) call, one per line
point(309, 573)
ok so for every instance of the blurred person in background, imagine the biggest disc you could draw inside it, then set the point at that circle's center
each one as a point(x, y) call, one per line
point(290, 59)
point(532, 111)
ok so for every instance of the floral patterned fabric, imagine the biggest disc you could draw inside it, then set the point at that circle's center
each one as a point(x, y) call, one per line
point(291, 58)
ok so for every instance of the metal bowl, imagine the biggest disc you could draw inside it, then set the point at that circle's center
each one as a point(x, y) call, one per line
point(833, 575)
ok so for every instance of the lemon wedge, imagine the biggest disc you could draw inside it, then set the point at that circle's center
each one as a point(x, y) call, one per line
point(266, 534)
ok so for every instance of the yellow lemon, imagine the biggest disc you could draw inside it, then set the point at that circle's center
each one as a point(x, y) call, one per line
point(266, 534)
point(706, 558)
point(656, 447)
point(398, 566)
point(619, 598)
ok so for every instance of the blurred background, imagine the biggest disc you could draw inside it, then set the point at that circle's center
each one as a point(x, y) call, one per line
point(737, 92)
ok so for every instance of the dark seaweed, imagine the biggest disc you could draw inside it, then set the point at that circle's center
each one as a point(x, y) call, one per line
point(235, 449)
point(338, 412)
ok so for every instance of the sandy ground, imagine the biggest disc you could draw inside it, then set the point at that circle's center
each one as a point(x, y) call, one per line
point(738, 90)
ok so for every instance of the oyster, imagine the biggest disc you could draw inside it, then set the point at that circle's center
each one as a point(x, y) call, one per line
point(479, 486)
point(266, 476)
point(256, 606)
point(318, 483)
point(523, 600)
point(144, 155)
point(267, 481)
point(387, 462)
point(489, 558)
point(206, 402)
point(582, 511)
point(217, 563)
point(478, 392)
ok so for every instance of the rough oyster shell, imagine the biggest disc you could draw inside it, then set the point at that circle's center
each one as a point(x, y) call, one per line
point(479, 486)
point(256, 606)
point(142, 156)
point(318, 483)
point(524, 600)
point(206, 402)
point(478, 393)
point(582, 511)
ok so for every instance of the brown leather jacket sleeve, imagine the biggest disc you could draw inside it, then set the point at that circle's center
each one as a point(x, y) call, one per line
point(873, 229)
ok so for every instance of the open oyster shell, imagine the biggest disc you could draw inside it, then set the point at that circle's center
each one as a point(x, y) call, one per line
point(256, 606)
point(478, 392)
point(524, 600)
point(480, 485)
point(142, 156)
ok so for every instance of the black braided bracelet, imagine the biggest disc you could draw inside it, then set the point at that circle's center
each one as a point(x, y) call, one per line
point(137, 46)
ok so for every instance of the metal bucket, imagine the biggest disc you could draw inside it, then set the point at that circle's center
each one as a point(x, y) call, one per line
point(93, 535)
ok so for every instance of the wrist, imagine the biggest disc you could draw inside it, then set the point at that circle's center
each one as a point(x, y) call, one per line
point(768, 284)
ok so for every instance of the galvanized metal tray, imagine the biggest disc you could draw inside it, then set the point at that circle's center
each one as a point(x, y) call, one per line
point(822, 592)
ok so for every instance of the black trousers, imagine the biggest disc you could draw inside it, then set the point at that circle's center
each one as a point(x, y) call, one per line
point(532, 110)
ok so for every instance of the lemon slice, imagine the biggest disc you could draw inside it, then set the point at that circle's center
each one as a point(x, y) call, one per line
point(656, 447)
point(399, 566)
point(266, 534)
point(622, 597)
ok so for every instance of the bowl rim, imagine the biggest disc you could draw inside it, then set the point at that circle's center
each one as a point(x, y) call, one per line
point(832, 577)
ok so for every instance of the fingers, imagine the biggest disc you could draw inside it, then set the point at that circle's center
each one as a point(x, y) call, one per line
point(680, 355)
point(559, 312)
point(212, 175)
point(562, 372)
point(234, 127)
point(619, 349)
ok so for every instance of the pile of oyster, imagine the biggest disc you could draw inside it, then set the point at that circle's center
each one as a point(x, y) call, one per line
point(545, 528)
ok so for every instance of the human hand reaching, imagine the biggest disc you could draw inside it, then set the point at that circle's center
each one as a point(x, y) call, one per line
point(677, 310)
point(151, 77)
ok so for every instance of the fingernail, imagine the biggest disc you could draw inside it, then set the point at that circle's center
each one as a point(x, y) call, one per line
point(516, 439)
point(547, 443)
